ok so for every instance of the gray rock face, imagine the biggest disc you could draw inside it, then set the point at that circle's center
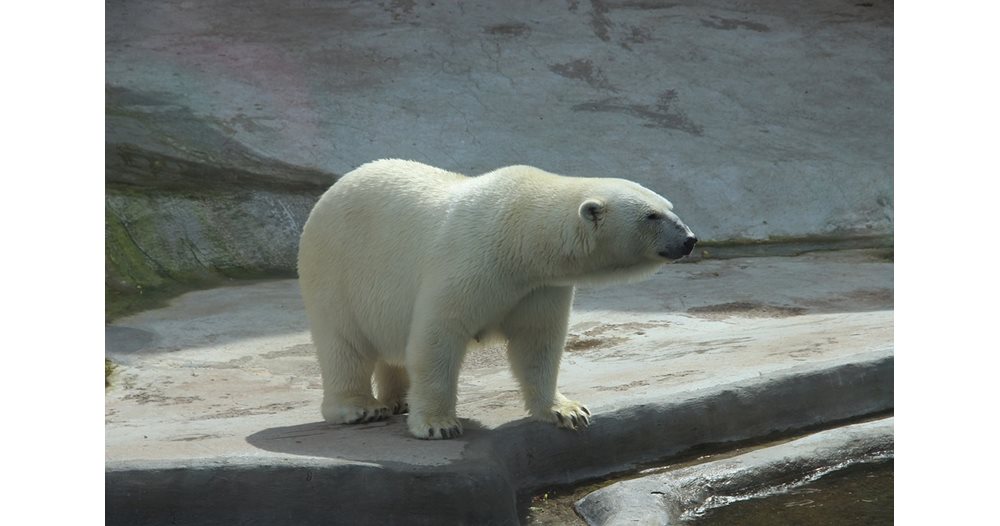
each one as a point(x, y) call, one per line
point(154, 141)
point(182, 235)
point(759, 120)
point(184, 204)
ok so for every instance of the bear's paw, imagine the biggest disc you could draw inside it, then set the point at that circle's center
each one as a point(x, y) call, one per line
point(355, 410)
point(434, 428)
point(397, 406)
point(567, 414)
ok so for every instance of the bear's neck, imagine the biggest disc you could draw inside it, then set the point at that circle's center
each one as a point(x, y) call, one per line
point(552, 247)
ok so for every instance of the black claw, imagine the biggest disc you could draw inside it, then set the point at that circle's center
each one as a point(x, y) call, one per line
point(559, 416)
point(573, 418)
point(430, 431)
point(446, 433)
point(585, 410)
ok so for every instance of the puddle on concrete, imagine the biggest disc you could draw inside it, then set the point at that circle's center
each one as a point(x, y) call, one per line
point(861, 494)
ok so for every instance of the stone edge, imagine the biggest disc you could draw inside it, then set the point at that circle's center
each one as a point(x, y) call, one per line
point(502, 467)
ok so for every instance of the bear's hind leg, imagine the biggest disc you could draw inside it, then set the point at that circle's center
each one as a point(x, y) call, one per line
point(347, 382)
point(392, 383)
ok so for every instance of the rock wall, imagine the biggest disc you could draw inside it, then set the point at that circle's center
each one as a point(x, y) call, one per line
point(186, 207)
point(761, 120)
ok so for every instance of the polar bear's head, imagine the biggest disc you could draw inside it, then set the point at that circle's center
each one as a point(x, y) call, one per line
point(628, 231)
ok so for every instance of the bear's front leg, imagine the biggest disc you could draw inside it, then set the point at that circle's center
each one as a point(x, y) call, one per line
point(536, 334)
point(433, 361)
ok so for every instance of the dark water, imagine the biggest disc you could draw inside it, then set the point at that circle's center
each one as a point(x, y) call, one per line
point(857, 495)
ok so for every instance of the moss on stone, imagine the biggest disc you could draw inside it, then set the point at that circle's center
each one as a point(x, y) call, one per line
point(109, 368)
point(159, 244)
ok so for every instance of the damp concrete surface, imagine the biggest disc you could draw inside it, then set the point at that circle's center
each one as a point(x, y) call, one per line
point(213, 410)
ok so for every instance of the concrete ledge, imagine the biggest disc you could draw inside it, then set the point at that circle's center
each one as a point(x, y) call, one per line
point(671, 497)
point(538, 457)
point(212, 412)
point(497, 465)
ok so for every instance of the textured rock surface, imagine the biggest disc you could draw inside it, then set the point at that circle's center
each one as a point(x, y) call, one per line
point(185, 205)
point(759, 119)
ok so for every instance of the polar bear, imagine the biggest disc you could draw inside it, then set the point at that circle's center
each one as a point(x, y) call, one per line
point(404, 266)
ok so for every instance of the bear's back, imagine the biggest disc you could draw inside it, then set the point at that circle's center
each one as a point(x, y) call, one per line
point(398, 177)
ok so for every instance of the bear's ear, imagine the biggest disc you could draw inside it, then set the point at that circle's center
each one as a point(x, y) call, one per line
point(592, 210)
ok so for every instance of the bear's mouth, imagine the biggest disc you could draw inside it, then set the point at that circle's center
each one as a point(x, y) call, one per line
point(671, 255)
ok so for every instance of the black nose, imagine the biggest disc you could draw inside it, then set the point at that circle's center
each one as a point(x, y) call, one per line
point(689, 243)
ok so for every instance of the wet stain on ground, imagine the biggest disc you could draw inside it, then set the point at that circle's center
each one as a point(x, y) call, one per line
point(577, 343)
point(634, 327)
point(508, 30)
point(745, 310)
point(593, 336)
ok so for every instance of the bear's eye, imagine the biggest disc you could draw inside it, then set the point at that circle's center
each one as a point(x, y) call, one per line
point(653, 216)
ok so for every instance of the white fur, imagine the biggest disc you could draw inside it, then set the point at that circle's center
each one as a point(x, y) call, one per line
point(403, 266)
